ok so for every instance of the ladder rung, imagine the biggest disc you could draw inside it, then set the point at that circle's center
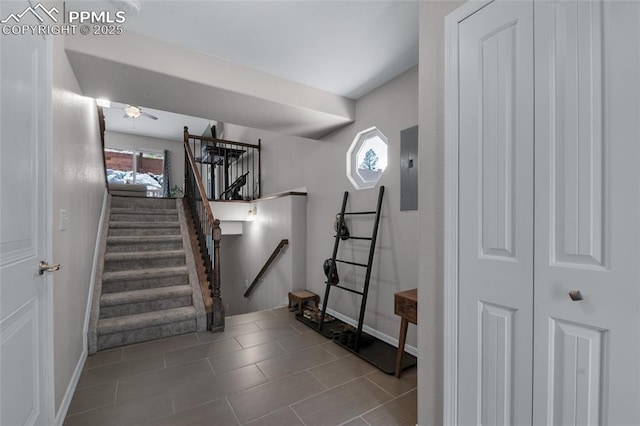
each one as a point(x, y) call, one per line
point(356, 238)
point(349, 289)
point(355, 213)
point(352, 263)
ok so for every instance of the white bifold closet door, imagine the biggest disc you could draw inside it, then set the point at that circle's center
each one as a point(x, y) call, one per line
point(549, 203)
point(587, 213)
point(496, 215)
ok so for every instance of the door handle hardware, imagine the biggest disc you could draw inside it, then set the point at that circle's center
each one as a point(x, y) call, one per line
point(575, 295)
point(43, 267)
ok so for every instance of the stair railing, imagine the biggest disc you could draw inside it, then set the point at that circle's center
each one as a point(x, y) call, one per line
point(266, 266)
point(229, 170)
point(207, 230)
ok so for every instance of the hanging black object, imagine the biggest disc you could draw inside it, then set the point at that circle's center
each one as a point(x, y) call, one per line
point(354, 343)
point(344, 231)
point(333, 279)
point(353, 338)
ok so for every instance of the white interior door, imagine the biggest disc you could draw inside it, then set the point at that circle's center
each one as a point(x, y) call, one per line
point(587, 353)
point(25, 357)
point(495, 215)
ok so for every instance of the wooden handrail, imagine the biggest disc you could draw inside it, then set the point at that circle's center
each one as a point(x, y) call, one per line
point(217, 317)
point(216, 140)
point(266, 266)
point(196, 173)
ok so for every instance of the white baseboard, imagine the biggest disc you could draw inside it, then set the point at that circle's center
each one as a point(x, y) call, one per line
point(68, 396)
point(94, 266)
point(375, 333)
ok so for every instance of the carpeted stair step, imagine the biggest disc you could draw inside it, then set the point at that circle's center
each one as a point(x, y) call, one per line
point(141, 211)
point(135, 202)
point(143, 260)
point(128, 329)
point(113, 282)
point(134, 216)
point(140, 301)
point(143, 243)
point(121, 229)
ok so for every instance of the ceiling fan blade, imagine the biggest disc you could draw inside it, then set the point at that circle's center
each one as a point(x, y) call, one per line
point(146, 114)
point(125, 116)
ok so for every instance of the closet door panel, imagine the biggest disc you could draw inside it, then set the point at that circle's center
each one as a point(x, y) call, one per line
point(587, 213)
point(575, 136)
point(496, 215)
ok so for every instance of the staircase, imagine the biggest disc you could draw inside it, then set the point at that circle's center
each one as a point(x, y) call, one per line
point(147, 286)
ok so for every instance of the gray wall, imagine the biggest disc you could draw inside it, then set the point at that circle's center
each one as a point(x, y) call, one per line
point(320, 166)
point(243, 256)
point(78, 187)
point(431, 201)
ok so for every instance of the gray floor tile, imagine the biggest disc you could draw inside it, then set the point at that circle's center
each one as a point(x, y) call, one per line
point(200, 351)
point(160, 346)
point(407, 381)
point(113, 372)
point(265, 336)
point(280, 322)
point(282, 417)
point(264, 399)
point(101, 359)
point(163, 380)
point(94, 397)
point(335, 349)
point(342, 370)
point(246, 356)
point(282, 311)
point(229, 332)
point(342, 403)
point(200, 391)
point(358, 421)
point(290, 363)
point(251, 316)
point(147, 408)
point(402, 411)
point(302, 327)
point(306, 340)
point(217, 413)
point(287, 373)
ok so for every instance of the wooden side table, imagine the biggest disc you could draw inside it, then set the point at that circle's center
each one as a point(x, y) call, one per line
point(405, 306)
point(301, 297)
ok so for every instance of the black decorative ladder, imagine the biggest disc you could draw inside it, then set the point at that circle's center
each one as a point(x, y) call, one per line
point(367, 347)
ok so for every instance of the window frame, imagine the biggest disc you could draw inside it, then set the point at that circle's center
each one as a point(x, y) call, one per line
point(359, 140)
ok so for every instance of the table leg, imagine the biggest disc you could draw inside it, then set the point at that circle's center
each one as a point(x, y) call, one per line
point(402, 339)
point(289, 296)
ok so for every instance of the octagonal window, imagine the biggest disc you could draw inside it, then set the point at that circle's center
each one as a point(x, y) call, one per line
point(367, 158)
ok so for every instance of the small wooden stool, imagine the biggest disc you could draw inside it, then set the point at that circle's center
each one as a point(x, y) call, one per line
point(406, 306)
point(301, 297)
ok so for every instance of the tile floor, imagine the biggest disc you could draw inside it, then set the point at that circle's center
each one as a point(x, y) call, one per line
point(265, 369)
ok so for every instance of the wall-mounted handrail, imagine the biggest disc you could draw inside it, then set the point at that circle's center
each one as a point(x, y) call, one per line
point(266, 266)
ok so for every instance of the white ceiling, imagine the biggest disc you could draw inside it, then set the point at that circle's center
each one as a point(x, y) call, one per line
point(345, 47)
point(169, 125)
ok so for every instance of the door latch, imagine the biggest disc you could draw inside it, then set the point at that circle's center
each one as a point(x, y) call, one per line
point(43, 267)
